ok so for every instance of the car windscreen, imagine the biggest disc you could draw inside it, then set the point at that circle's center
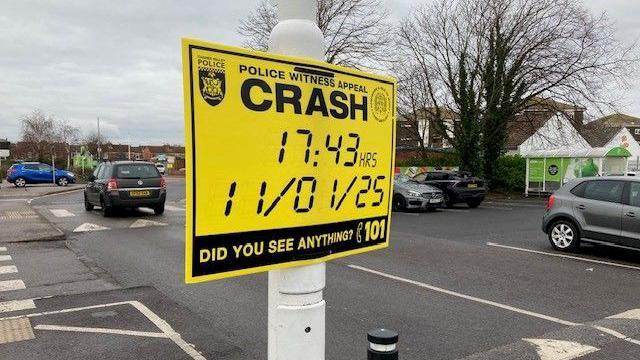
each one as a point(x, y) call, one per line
point(136, 171)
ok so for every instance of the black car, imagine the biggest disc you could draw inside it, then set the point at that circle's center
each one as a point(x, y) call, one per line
point(457, 186)
point(125, 184)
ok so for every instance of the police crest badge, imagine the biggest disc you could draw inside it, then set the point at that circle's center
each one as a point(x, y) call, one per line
point(212, 85)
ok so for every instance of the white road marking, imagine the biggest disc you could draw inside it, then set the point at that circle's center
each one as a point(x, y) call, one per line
point(502, 208)
point(173, 208)
point(616, 334)
point(90, 227)
point(564, 256)
point(631, 314)
point(454, 210)
point(61, 213)
point(12, 200)
point(167, 329)
point(9, 285)
point(101, 331)
point(515, 204)
point(161, 324)
point(16, 305)
point(552, 349)
point(464, 296)
point(8, 269)
point(5, 257)
point(144, 223)
point(404, 213)
point(2, 248)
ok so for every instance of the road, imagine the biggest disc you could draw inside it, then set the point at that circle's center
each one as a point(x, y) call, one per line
point(453, 283)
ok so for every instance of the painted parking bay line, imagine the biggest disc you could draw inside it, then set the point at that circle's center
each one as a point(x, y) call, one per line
point(61, 213)
point(464, 296)
point(101, 331)
point(563, 256)
point(16, 305)
point(9, 285)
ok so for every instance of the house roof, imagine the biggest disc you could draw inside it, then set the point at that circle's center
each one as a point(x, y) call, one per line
point(548, 104)
point(599, 132)
point(523, 127)
point(598, 135)
point(617, 119)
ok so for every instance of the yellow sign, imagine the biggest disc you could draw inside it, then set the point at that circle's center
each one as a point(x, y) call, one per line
point(289, 161)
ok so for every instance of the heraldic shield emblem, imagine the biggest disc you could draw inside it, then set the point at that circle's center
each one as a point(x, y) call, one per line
point(212, 85)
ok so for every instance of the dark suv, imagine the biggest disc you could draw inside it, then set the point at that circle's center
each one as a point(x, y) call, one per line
point(125, 184)
point(603, 210)
point(457, 186)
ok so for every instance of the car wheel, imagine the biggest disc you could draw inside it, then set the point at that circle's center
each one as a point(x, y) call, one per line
point(159, 209)
point(20, 182)
point(63, 181)
point(106, 210)
point(474, 203)
point(564, 236)
point(87, 205)
point(399, 203)
point(447, 202)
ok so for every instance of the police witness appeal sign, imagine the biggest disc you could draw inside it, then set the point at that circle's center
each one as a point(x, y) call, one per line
point(289, 161)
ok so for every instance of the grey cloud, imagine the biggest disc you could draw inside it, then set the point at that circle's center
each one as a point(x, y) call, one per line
point(121, 60)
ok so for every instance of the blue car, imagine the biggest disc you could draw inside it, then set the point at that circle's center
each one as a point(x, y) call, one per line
point(37, 173)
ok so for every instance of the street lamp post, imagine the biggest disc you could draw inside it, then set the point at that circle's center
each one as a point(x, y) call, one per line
point(296, 327)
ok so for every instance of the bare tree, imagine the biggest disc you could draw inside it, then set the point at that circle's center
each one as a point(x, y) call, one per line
point(92, 141)
point(38, 131)
point(357, 32)
point(493, 57)
point(67, 134)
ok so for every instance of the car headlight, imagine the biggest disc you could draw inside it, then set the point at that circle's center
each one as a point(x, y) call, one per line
point(415, 194)
point(71, 174)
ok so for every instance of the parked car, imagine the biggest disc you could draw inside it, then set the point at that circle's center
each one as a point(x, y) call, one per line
point(457, 187)
point(602, 210)
point(125, 184)
point(410, 194)
point(21, 174)
point(161, 168)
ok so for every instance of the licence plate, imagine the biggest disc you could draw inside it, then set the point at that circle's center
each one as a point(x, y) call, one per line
point(472, 185)
point(435, 201)
point(139, 193)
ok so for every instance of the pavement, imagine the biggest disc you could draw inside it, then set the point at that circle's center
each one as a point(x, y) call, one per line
point(457, 283)
point(19, 221)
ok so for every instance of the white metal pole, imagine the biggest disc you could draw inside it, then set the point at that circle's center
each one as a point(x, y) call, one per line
point(53, 166)
point(296, 328)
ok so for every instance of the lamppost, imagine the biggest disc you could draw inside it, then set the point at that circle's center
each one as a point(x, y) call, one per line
point(296, 307)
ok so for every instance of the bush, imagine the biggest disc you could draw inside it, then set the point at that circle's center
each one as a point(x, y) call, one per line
point(80, 177)
point(510, 172)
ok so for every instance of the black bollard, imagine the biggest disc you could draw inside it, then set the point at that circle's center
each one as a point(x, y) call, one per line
point(383, 345)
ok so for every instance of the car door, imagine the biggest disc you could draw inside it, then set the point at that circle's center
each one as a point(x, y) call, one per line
point(91, 185)
point(45, 173)
point(30, 173)
point(631, 215)
point(598, 208)
point(437, 179)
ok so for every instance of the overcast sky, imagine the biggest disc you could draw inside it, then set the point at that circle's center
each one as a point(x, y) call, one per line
point(120, 59)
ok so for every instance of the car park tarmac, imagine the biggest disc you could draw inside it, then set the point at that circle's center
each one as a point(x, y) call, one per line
point(454, 283)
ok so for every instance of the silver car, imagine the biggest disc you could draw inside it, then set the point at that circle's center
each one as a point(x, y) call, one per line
point(410, 194)
point(602, 210)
